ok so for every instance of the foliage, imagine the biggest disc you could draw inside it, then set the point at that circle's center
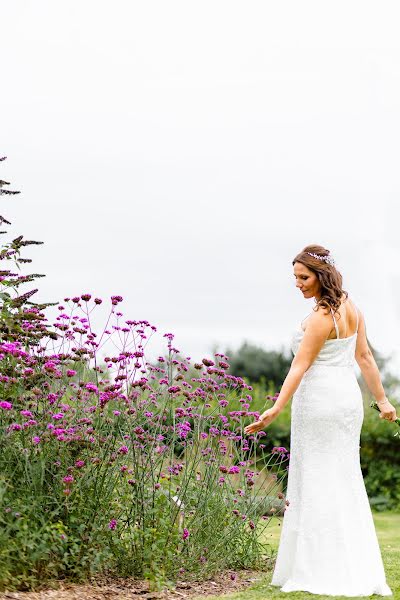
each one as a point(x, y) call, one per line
point(380, 461)
point(258, 365)
point(113, 463)
point(379, 448)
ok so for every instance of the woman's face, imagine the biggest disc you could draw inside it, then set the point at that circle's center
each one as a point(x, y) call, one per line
point(306, 281)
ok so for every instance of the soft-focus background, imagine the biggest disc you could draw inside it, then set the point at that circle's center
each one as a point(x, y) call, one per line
point(180, 154)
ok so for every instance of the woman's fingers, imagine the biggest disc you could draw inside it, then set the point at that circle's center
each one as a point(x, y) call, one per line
point(257, 426)
point(265, 419)
point(388, 416)
point(388, 411)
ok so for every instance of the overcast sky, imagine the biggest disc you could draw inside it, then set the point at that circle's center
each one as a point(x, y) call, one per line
point(182, 153)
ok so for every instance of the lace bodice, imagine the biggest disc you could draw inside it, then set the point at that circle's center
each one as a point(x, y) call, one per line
point(337, 352)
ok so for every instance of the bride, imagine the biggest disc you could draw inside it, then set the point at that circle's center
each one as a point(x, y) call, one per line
point(328, 541)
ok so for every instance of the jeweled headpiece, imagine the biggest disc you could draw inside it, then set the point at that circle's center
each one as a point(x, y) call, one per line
point(328, 259)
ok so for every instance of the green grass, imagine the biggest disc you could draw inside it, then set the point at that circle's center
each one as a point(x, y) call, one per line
point(388, 530)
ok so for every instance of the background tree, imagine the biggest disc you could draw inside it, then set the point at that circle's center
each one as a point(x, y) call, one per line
point(258, 364)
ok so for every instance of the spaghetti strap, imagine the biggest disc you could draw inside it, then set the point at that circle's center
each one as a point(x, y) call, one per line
point(336, 327)
point(356, 315)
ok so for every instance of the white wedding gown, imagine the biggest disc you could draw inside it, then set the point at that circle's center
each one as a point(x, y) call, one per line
point(328, 541)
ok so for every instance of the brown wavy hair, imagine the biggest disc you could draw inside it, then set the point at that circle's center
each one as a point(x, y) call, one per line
point(328, 276)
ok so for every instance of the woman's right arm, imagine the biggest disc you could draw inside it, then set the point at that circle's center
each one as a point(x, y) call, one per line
point(370, 372)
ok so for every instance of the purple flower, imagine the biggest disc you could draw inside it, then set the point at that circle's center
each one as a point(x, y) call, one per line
point(15, 427)
point(279, 449)
point(91, 387)
point(50, 365)
point(207, 362)
point(185, 534)
point(26, 413)
point(183, 429)
point(174, 389)
point(86, 297)
point(79, 464)
point(68, 479)
point(58, 416)
point(112, 524)
point(36, 440)
point(234, 469)
point(5, 405)
point(70, 372)
point(123, 450)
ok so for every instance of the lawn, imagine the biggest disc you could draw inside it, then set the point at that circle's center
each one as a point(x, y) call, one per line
point(388, 530)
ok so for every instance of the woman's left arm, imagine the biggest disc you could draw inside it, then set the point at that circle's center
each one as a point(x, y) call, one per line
point(318, 329)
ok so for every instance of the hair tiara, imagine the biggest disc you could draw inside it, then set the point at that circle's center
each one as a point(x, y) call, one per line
point(328, 259)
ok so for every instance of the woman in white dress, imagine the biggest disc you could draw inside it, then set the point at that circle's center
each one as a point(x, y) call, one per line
point(328, 541)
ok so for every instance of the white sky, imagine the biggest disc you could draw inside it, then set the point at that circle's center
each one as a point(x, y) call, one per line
point(181, 153)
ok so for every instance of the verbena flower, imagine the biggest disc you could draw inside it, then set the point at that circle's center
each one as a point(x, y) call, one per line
point(57, 416)
point(6, 405)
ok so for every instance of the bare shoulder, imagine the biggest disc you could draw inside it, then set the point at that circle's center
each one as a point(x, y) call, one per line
point(320, 319)
point(321, 314)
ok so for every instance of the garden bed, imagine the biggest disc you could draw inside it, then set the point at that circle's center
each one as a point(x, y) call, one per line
point(124, 589)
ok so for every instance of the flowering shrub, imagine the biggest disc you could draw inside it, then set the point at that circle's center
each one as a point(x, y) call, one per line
point(111, 462)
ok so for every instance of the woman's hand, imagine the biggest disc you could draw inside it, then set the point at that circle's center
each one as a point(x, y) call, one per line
point(388, 411)
point(263, 421)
